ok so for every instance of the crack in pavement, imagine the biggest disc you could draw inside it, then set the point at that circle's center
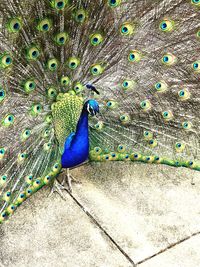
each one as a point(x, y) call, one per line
point(102, 229)
point(167, 248)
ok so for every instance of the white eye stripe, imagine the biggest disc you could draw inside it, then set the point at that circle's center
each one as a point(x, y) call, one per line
point(89, 109)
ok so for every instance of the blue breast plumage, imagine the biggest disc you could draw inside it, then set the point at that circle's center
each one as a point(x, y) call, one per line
point(76, 148)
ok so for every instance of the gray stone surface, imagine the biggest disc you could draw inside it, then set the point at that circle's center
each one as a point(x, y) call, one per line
point(185, 254)
point(52, 232)
point(144, 208)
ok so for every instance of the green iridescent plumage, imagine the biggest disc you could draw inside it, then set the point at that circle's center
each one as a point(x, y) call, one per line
point(66, 112)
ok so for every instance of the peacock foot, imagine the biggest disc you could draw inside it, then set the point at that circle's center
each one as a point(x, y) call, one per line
point(58, 188)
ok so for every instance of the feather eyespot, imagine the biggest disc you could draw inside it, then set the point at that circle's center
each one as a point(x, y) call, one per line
point(114, 3)
point(196, 66)
point(52, 64)
point(168, 59)
point(126, 29)
point(14, 25)
point(73, 63)
point(166, 25)
point(5, 60)
point(96, 39)
point(134, 56)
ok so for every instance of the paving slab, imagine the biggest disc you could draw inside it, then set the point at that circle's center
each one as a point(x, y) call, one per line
point(185, 254)
point(49, 232)
point(145, 208)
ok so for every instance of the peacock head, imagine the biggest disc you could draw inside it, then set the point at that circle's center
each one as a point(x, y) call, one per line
point(92, 107)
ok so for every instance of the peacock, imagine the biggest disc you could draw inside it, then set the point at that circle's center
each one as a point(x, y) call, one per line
point(95, 81)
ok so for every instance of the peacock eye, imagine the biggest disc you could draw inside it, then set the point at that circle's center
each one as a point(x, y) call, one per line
point(195, 2)
point(96, 69)
point(183, 94)
point(47, 146)
point(58, 4)
point(47, 179)
point(36, 109)
point(25, 134)
point(56, 167)
point(186, 125)
point(168, 59)
point(22, 157)
point(8, 120)
point(134, 56)
point(22, 195)
point(78, 87)
point(96, 39)
point(14, 25)
point(167, 115)
point(44, 25)
point(3, 180)
point(148, 135)
point(29, 191)
point(125, 119)
point(65, 81)
point(52, 93)
point(32, 53)
point(145, 105)
point(73, 63)
point(61, 38)
point(6, 196)
point(114, 3)
point(166, 25)
point(121, 148)
point(80, 15)
point(179, 147)
point(11, 208)
point(29, 86)
point(99, 125)
point(161, 86)
point(2, 152)
point(97, 150)
point(128, 84)
point(2, 94)
point(48, 118)
point(152, 143)
point(196, 66)
point(126, 29)
point(111, 104)
point(5, 60)
point(3, 214)
point(52, 64)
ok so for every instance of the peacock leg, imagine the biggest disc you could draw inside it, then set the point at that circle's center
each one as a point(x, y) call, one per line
point(58, 188)
point(71, 179)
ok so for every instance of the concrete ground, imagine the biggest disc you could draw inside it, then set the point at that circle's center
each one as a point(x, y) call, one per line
point(123, 214)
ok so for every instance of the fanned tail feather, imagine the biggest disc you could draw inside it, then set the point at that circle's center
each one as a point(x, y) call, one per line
point(142, 58)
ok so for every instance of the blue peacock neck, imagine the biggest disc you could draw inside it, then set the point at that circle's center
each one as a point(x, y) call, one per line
point(82, 126)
